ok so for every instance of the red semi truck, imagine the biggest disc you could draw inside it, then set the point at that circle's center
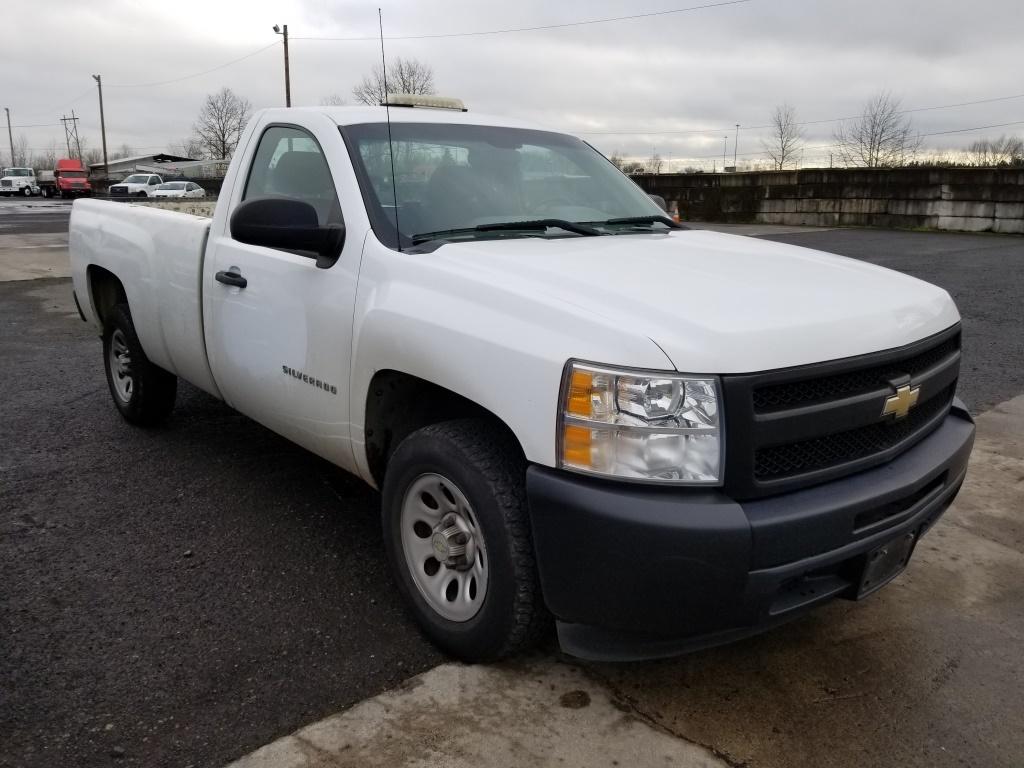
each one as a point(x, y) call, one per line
point(68, 179)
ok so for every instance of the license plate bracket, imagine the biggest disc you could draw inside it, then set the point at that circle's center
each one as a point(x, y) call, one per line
point(885, 563)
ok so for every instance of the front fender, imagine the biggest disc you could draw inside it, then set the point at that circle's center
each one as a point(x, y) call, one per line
point(504, 351)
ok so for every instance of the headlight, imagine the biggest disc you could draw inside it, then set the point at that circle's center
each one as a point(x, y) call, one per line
point(640, 425)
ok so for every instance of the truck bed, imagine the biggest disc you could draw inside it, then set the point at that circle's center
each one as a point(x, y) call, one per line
point(158, 256)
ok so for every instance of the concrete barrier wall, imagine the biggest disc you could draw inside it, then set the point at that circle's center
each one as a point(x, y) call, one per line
point(965, 199)
point(202, 208)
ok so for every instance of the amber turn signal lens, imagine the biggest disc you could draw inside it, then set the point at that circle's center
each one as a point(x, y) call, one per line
point(576, 444)
point(581, 389)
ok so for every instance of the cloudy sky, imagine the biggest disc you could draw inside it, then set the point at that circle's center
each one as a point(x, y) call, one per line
point(670, 82)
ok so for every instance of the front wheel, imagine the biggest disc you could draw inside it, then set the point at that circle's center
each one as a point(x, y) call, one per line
point(457, 534)
point(143, 392)
point(26, 191)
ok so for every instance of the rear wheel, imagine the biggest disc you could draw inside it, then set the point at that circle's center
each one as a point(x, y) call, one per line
point(143, 392)
point(457, 533)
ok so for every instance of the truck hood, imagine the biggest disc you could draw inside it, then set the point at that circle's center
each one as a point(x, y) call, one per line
point(716, 303)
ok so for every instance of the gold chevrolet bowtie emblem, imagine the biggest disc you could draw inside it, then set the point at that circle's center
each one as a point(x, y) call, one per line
point(899, 405)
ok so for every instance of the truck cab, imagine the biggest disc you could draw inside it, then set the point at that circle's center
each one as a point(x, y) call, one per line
point(69, 178)
point(18, 181)
point(137, 185)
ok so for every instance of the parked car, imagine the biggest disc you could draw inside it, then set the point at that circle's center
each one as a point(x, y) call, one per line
point(18, 181)
point(69, 178)
point(574, 407)
point(179, 189)
point(136, 185)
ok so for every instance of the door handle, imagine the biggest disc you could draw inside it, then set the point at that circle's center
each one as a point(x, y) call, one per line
point(231, 278)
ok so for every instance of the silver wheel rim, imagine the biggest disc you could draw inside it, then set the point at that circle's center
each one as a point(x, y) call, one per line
point(120, 361)
point(444, 547)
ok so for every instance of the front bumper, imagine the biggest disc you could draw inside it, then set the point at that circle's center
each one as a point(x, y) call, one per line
point(635, 572)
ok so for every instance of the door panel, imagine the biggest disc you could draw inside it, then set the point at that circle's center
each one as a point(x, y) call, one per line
point(280, 347)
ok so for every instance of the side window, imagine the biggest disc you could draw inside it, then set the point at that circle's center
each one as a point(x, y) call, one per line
point(154, 180)
point(289, 163)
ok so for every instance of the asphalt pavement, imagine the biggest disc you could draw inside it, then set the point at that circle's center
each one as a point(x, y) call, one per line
point(181, 596)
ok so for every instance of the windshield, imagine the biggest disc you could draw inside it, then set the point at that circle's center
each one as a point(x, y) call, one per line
point(137, 178)
point(172, 185)
point(459, 177)
point(73, 174)
point(17, 172)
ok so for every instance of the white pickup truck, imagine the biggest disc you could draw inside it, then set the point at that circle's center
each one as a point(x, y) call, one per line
point(578, 412)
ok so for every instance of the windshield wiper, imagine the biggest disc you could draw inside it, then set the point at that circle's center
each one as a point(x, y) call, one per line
point(529, 226)
point(644, 220)
point(568, 226)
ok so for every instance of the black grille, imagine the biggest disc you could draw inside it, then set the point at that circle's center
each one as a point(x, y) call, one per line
point(843, 447)
point(794, 394)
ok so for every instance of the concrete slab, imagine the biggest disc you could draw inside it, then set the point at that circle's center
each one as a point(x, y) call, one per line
point(28, 256)
point(533, 713)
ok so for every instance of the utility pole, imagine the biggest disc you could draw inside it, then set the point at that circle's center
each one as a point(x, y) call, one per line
point(725, 151)
point(735, 145)
point(10, 136)
point(103, 125)
point(71, 134)
point(287, 76)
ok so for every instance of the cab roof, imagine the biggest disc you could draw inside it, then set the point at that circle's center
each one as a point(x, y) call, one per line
point(363, 114)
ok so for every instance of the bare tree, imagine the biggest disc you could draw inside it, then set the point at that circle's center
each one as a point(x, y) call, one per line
point(46, 159)
point(21, 150)
point(220, 123)
point(654, 163)
point(125, 150)
point(1006, 150)
point(616, 160)
point(785, 144)
point(333, 100)
point(404, 76)
point(882, 137)
point(189, 147)
point(90, 155)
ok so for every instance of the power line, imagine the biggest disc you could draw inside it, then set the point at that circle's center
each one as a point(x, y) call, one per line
point(195, 74)
point(711, 131)
point(820, 147)
point(585, 22)
point(58, 108)
point(977, 128)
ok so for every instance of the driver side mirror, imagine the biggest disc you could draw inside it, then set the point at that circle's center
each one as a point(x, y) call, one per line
point(287, 225)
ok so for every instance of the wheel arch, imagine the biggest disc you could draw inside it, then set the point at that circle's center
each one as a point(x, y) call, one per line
point(399, 403)
point(105, 291)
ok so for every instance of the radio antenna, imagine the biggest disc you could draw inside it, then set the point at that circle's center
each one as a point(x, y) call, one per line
point(391, 146)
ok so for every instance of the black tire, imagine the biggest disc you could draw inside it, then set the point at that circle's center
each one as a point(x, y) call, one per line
point(485, 463)
point(141, 193)
point(152, 389)
point(26, 191)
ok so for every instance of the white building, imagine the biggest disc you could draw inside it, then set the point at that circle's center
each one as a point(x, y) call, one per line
point(160, 163)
